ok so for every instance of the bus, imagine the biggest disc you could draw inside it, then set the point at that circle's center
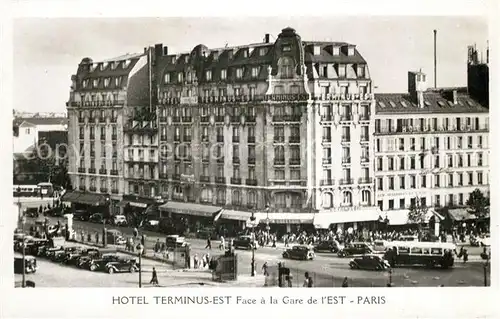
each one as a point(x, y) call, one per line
point(45, 189)
point(430, 254)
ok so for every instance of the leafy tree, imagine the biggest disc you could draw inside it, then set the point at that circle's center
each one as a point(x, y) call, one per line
point(478, 203)
point(417, 212)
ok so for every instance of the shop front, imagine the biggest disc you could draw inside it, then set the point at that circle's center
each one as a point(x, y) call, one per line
point(189, 217)
point(283, 223)
point(137, 209)
point(233, 222)
point(91, 203)
point(345, 218)
point(398, 219)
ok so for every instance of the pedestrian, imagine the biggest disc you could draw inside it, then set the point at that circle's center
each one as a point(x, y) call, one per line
point(209, 244)
point(274, 241)
point(97, 237)
point(466, 256)
point(308, 282)
point(264, 269)
point(222, 245)
point(345, 283)
point(89, 237)
point(82, 236)
point(195, 261)
point(154, 278)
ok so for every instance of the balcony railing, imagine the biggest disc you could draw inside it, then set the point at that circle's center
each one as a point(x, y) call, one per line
point(251, 182)
point(220, 138)
point(220, 160)
point(365, 159)
point(326, 118)
point(163, 119)
point(327, 139)
point(103, 171)
point(163, 176)
point(205, 138)
point(365, 138)
point(205, 119)
point(235, 119)
point(279, 161)
point(187, 119)
point(92, 137)
point(295, 161)
point(344, 118)
point(205, 159)
point(176, 119)
point(163, 138)
point(81, 136)
point(346, 181)
point(236, 160)
point(219, 118)
point(177, 138)
point(92, 188)
point(113, 172)
point(114, 137)
point(251, 139)
point(287, 118)
point(114, 191)
point(251, 160)
point(91, 170)
point(82, 169)
point(114, 120)
point(407, 129)
point(102, 119)
point(81, 120)
point(279, 139)
point(220, 179)
point(236, 139)
point(364, 117)
point(103, 136)
point(346, 139)
point(250, 118)
point(186, 138)
point(115, 154)
point(346, 160)
point(325, 182)
point(176, 177)
point(327, 160)
point(205, 179)
point(235, 180)
point(103, 190)
point(365, 180)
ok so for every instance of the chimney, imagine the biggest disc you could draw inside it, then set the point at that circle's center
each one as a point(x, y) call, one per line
point(158, 49)
point(266, 38)
point(454, 96)
point(435, 59)
point(417, 85)
point(165, 50)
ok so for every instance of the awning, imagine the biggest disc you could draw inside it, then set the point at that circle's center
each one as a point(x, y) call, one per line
point(285, 218)
point(84, 198)
point(323, 220)
point(234, 215)
point(190, 209)
point(400, 216)
point(459, 214)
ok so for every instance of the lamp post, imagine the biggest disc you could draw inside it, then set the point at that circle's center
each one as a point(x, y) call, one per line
point(24, 263)
point(140, 249)
point(390, 277)
point(485, 270)
point(268, 228)
point(252, 220)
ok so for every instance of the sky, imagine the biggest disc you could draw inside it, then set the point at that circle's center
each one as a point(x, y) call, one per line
point(47, 50)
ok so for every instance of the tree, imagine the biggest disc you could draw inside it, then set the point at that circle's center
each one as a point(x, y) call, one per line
point(417, 212)
point(478, 203)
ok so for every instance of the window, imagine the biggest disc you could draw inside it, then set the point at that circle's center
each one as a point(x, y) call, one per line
point(365, 197)
point(402, 182)
point(361, 71)
point(423, 181)
point(480, 178)
point(347, 198)
point(413, 181)
point(239, 73)
point(380, 184)
point(412, 162)
point(391, 203)
point(208, 75)
point(166, 78)
point(341, 71)
point(436, 180)
point(327, 200)
point(460, 179)
point(402, 203)
point(236, 172)
point(279, 174)
point(401, 163)
point(401, 144)
point(391, 183)
point(223, 74)
point(479, 159)
point(450, 160)
point(285, 66)
point(295, 174)
point(450, 180)
point(262, 51)
point(255, 72)
point(180, 77)
point(436, 161)
point(470, 178)
point(252, 199)
point(391, 163)
point(379, 164)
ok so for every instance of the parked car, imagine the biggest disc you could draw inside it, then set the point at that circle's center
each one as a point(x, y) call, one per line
point(114, 237)
point(369, 262)
point(29, 264)
point(299, 252)
point(60, 255)
point(33, 247)
point(175, 241)
point(245, 242)
point(96, 218)
point(81, 215)
point(84, 261)
point(120, 220)
point(31, 212)
point(100, 264)
point(72, 258)
point(327, 246)
point(355, 248)
point(49, 253)
point(122, 265)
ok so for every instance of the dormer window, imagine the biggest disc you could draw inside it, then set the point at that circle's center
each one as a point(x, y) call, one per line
point(117, 81)
point(223, 74)
point(101, 66)
point(286, 67)
point(216, 55)
point(350, 51)
point(262, 51)
point(341, 70)
point(255, 72)
point(336, 51)
point(180, 77)
point(106, 82)
point(189, 77)
point(85, 83)
point(173, 60)
point(126, 63)
point(166, 78)
point(113, 65)
point(361, 71)
point(208, 75)
point(95, 83)
point(317, 50)
point(186, 59)
point(245, 53)
point(287, 48)
point(239, 73)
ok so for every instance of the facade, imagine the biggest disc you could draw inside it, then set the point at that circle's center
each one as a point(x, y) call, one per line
point(103, 96)
point(285, 125)
point(26, 129)
point(431, 146)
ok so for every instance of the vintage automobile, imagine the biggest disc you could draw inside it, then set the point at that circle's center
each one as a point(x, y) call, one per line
point(206, 233)
point(81, 215)
point(60, 255)
point(121, 265)
point(245, 242)
point(72, 257)
point(299, 252)
point(18, 241)
point(120, 220)
point(29, 264)
point(33, 247)
point(175, 241)
point(31, 212)
point(100, 263)
point(369, 262)
point(96, 218)
point(355, 248)
point(49, 253)
point(327, 246)
point(84, 261)
point(115, 237)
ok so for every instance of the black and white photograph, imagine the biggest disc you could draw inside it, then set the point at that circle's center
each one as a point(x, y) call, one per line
point(221, 152)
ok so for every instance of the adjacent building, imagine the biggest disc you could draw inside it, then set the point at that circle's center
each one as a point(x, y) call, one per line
point(431, 146)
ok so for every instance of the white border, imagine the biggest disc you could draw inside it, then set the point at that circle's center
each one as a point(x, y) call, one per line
point(409, 303)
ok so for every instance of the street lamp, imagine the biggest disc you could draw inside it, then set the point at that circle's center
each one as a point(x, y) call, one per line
point(268, 228)
point(390, 277)
point(140, 249)
point(24, 263)
point(252, 220)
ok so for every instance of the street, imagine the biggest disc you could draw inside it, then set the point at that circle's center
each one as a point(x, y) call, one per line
point(326, 269)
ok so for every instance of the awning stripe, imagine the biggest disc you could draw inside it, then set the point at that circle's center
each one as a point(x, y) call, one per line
point(190, 209)
point(235, 215)
point(84, 198)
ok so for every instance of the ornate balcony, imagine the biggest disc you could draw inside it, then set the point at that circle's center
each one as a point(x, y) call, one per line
point(295, 161)
point(113, 172)
point(251, 182)
point(251, 160)
point(280, 161)
point(205, 179)
point(251, 139)
point(365, 180)
point(92, 170)
point(82, 170)
point(327, 182)
point(103, 171)
point(220, 179)
point(235, 180)
point(346, 181)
